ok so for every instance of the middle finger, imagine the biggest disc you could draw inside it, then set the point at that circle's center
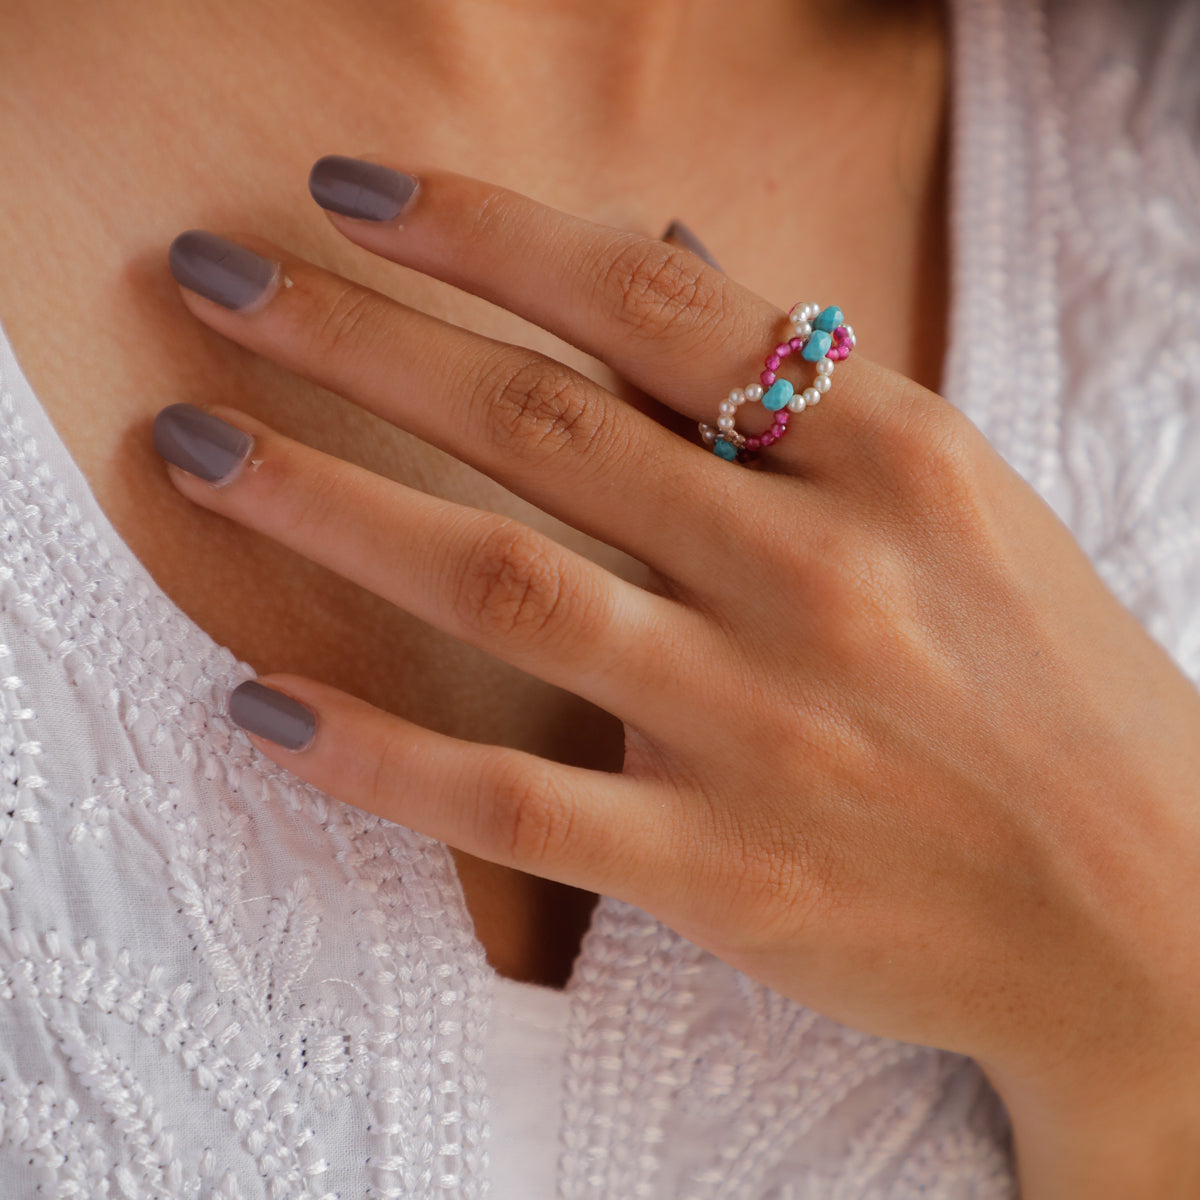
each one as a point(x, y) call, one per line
point(543, 430)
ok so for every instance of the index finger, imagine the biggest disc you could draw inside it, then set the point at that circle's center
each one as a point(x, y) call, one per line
point(675, 327)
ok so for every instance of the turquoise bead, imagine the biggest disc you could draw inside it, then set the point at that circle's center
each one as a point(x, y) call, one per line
point(778, 395)
point(725, 450)
point(818, 346)
point(829, 319)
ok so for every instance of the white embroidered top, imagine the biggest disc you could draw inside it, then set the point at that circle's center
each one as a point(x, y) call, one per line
point(217, 982)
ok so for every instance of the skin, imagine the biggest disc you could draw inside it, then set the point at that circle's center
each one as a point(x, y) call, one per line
point(154, 140)
point(911, 782)
point(933, 780)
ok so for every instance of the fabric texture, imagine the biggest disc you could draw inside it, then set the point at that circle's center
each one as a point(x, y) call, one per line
point(217, 982)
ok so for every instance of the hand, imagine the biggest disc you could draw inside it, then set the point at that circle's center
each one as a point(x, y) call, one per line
point(891, 746)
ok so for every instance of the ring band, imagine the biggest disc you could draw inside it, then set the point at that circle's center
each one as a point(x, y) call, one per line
point(820, 336)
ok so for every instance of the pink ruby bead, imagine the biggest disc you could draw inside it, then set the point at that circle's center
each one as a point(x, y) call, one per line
point(753, 443)
point(767, 378)
point(766, 440)
point(797, 343)
point(773, 362)
point(783, 349)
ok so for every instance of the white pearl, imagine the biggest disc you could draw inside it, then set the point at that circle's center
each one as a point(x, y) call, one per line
point(724, 423)
point(849, 332)
point(804, 329)
point(824, 366)
point(810, 311)
point(754, 392)
point(822, 383)
point(736, 397)
point(811, 396)
point(709, 436)
point(797, 403)
point(726, 406)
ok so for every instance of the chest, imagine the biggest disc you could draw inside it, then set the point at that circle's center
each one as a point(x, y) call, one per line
point(97, 325)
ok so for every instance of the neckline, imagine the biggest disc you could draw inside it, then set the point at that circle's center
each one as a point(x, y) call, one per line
point(986, 150)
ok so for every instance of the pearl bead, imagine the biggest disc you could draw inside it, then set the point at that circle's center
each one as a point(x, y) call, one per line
point(811, 396)
point(754, 392)
point(709, 436)
point(824, 367)
point(797, 403)
point(804, 329)
point(850, 334)
point(726, 406)
point(724, 423)
point(822, 383)
point(736, 397)
point(810, 311)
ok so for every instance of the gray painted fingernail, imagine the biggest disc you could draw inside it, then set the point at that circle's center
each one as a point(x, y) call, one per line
point(221, 270)
point(681, 235)
point(272, 715)
point(201, 444)
point(360, 189)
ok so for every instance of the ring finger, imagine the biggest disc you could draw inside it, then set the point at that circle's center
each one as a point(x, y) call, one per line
point(672, 324)
point(486, 579)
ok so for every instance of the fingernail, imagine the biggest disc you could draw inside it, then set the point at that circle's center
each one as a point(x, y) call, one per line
point(679, 233)
point(222, 271)
point(360, 189)
point(200, 444)
point(272, 715)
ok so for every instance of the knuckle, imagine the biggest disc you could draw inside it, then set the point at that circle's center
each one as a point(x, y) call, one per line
point(770, 874)
point(945, 478)
point(858, 600)
point(510, 586)
point(537, 408)
point(293, 495)
point(344, 319)
point(930, 451)
point(389, 766)
point(525, 815)
point(492, 218)
point(659, 289)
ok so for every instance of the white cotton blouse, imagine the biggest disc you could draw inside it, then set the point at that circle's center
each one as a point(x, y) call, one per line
point(215, 981)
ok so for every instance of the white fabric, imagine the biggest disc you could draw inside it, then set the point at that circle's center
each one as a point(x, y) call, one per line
point(217, 982)
point(526, 1050)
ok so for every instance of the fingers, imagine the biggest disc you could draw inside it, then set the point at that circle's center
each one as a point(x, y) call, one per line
point(655, 311)
point(591, 829)
point(480, 577)
point(543, 430)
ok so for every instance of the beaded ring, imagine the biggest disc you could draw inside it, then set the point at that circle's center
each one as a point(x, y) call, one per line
point(821, 336)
